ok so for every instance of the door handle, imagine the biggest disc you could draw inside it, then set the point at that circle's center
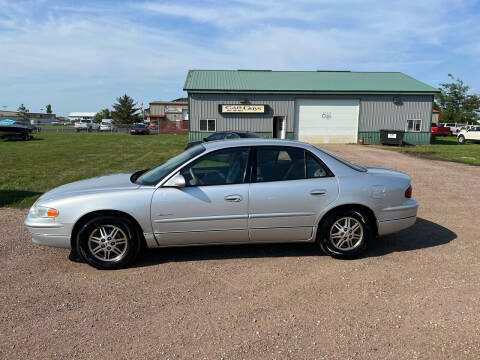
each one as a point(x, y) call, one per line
point(318, 192)
point(233, 198)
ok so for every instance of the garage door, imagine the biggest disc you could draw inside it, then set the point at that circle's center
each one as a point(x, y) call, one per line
point(327, 121)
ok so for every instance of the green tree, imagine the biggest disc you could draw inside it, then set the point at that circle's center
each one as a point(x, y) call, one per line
point(125, 111)
point(456, 104)
point(23, 112)
point(48, 109)
point(102, 114)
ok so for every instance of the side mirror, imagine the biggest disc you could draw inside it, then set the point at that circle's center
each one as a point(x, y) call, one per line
point(205, 139)
point(177, 181)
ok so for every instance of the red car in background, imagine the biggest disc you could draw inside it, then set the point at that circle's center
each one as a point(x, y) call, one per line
point(440, 130)
point(139, 129)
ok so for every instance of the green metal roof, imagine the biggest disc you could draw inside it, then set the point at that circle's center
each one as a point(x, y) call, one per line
point(304, 82)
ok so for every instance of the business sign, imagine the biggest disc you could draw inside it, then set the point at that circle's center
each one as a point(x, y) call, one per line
point(244, 109)
point(173, 109)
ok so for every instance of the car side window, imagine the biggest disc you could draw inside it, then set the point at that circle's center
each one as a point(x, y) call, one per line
point(231, 136)
point(315, 168)
point(221, 167)
point(216, 136)
point(280, 164)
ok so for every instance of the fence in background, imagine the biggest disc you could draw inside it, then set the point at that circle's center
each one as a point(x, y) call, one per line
point(166, 127)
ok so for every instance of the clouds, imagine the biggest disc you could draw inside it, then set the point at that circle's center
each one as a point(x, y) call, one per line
point(80, 55)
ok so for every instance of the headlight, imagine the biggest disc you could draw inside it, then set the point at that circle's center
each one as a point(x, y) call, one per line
point(44, 212)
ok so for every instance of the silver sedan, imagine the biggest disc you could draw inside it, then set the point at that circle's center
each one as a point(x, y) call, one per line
point(227, 192)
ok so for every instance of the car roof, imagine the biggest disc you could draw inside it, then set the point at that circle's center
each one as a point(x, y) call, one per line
point(254, 142)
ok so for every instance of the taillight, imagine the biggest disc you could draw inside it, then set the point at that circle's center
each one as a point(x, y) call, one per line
point(408, 192)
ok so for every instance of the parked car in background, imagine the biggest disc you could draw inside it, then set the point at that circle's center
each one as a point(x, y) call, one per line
point(440, 130)
point(139, 129)
point(454, 128)
point(86, 125)
point(227, 192)
point(472, 134)
point(106, 125)
point(224, 135)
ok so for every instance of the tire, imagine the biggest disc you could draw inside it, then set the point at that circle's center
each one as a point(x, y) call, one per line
point(347, 245)
point(113, 252)
point(461, 139)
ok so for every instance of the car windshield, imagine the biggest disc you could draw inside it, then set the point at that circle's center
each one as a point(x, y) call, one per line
point(139, 126)
point(153, 176)
point(348, 163)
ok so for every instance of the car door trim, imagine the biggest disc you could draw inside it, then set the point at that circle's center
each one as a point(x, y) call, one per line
point(202, 218)
point(284, 214)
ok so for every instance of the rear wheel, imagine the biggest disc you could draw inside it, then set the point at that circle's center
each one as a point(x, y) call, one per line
point(461, 139)
point(345, 234)
point(108, 242)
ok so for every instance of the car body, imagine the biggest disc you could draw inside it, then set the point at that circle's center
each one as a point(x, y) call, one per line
point(107, 126)
point(224, 135)
point(472, 134)
point(440, 130)
point(139, 129)
point(454, 127)
point(86, 125)
point(227, 192)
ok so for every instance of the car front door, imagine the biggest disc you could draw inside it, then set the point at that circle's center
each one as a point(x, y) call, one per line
point(289, 189)
point(211, 208)
point(474, 133)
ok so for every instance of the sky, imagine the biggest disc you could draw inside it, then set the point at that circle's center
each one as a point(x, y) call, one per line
point(80, 55)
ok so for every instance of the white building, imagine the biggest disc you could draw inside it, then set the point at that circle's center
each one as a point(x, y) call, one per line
point(75, 116)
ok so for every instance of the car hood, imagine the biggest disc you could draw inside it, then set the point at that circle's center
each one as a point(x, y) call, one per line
point(113, 182)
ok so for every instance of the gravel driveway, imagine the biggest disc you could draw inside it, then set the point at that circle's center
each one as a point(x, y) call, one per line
point(415, 294)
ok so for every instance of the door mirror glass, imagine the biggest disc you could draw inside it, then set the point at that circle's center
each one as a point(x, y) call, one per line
point(178, 181)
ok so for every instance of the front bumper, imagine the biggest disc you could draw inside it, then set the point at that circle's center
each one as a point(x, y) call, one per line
point(45, 231)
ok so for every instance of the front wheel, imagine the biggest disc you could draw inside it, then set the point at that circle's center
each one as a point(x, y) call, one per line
point(461, 139)
point(108, 242)
point(345, 234)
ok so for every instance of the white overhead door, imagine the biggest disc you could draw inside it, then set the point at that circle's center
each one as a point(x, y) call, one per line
point(327, 121)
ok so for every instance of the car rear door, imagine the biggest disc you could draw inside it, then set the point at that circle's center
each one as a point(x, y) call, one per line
point(290, 188)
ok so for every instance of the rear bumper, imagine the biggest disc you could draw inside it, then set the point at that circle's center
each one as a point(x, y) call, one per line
point(391, 226)
point(397, 218)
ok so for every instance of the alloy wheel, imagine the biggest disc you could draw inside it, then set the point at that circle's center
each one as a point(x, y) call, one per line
point(108, 243)
point(346, 233)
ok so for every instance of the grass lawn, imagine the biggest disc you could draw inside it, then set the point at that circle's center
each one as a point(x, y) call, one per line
point(443, 148)
point(29, 168)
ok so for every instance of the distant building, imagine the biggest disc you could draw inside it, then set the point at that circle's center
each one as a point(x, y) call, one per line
point(35, 118)
point(313, 106)
point(75, 116)
point(167, 110)
point(168, 116)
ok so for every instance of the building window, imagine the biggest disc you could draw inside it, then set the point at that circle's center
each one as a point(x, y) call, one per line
point(414, 125)
point(208, 125)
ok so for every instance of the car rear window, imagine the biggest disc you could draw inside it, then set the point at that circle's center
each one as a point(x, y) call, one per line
point(356, 167)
